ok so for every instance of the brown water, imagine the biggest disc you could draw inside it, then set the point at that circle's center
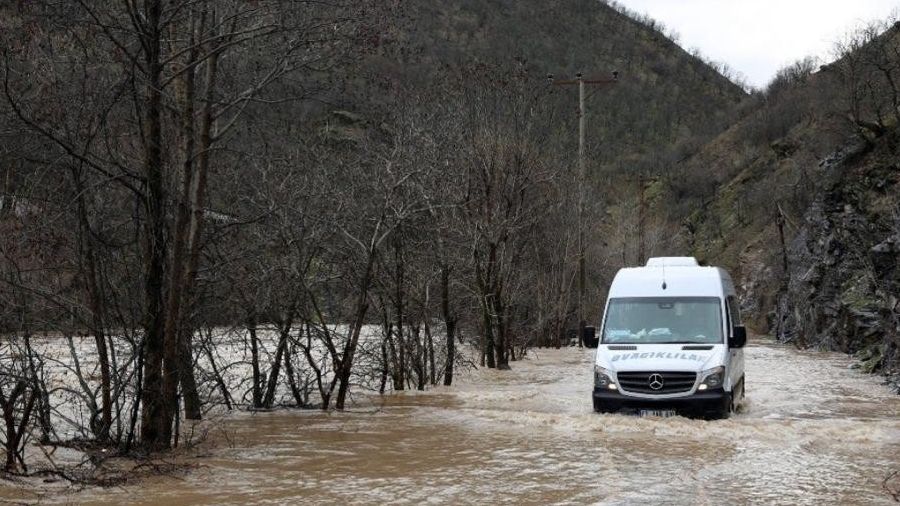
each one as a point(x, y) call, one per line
point(811, 432)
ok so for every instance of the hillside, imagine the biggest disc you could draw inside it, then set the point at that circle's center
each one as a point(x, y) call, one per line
point(666, 101)
point(666, 97)
point(801, 199)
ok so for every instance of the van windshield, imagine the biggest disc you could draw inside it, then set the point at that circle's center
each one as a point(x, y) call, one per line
point(663, 320)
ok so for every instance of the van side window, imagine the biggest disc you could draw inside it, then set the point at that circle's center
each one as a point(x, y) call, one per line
point(734, 311)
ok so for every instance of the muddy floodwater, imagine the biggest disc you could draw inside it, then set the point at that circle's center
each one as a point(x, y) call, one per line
point(811, 431)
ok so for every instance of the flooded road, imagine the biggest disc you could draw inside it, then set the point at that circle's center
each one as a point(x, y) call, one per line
point(811, 432)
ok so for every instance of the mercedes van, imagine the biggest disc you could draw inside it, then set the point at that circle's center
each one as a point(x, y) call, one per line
point(670, 342)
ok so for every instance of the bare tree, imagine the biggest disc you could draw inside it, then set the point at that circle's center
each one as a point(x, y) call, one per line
point(868, 67)
point(505, 176)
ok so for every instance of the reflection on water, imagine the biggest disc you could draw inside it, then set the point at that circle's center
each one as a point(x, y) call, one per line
point(811, 432)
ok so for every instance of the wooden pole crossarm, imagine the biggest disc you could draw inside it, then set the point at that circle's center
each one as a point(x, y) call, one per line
point(568, 82)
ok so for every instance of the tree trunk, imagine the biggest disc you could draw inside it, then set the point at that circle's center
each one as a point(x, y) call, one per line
point(177, 326)
point(487, 344)
point(300, 398)
point(450, 324)
point(220, 382)
point(429, 352)
point(156, 414)
point(177, 267)
point(384, 368)
point(396, 371)
point(256, 388)
point(488, 326)
point(284, 331)
point(13, 432)
point(400, 380)
point(500, 339)
point(95, 304)
point(196, 217)
point(362, 306)
point(43, 403)
point(324, 393)
point(193, 409)
point(419, 365)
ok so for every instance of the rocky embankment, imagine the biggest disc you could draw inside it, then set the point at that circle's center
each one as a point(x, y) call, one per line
point(843, 288)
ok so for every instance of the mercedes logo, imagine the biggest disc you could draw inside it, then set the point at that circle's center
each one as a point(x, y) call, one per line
point(655, 381)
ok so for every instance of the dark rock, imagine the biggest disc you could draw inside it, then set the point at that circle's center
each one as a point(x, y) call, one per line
point(784, 148)
point(887, 246)
point(843, 263)
point(347, 117)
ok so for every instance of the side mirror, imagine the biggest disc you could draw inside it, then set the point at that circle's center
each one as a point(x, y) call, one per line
point(738, 337)
point(590, 337)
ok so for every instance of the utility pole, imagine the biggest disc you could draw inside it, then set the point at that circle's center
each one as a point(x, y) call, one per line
point(582, 184)
point(642, 180)
point(641, 214)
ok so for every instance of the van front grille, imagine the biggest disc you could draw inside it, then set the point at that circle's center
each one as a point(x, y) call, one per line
point(657, 382)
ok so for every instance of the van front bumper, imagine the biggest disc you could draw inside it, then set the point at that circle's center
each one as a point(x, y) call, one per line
point(698, 404)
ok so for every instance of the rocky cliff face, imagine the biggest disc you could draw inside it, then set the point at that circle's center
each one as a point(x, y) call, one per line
point(842, 291)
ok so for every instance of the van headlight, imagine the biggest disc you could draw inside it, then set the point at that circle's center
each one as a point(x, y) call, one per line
point(603, 378)
point(712, 378)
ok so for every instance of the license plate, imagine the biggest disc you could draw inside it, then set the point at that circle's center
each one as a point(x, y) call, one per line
point(659, 413)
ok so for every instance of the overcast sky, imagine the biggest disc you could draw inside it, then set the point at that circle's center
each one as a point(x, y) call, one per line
point(757, 37)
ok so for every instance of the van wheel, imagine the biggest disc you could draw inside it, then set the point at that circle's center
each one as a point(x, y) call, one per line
point(738, 395)
point(723, 410)
point(600, 408)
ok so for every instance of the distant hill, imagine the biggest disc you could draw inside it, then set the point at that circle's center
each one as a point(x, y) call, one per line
point(666, 97)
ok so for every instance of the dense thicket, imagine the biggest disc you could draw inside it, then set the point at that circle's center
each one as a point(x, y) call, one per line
point(342, 191)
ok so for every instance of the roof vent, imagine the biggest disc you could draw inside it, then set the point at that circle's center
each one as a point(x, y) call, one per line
point(672, 262)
